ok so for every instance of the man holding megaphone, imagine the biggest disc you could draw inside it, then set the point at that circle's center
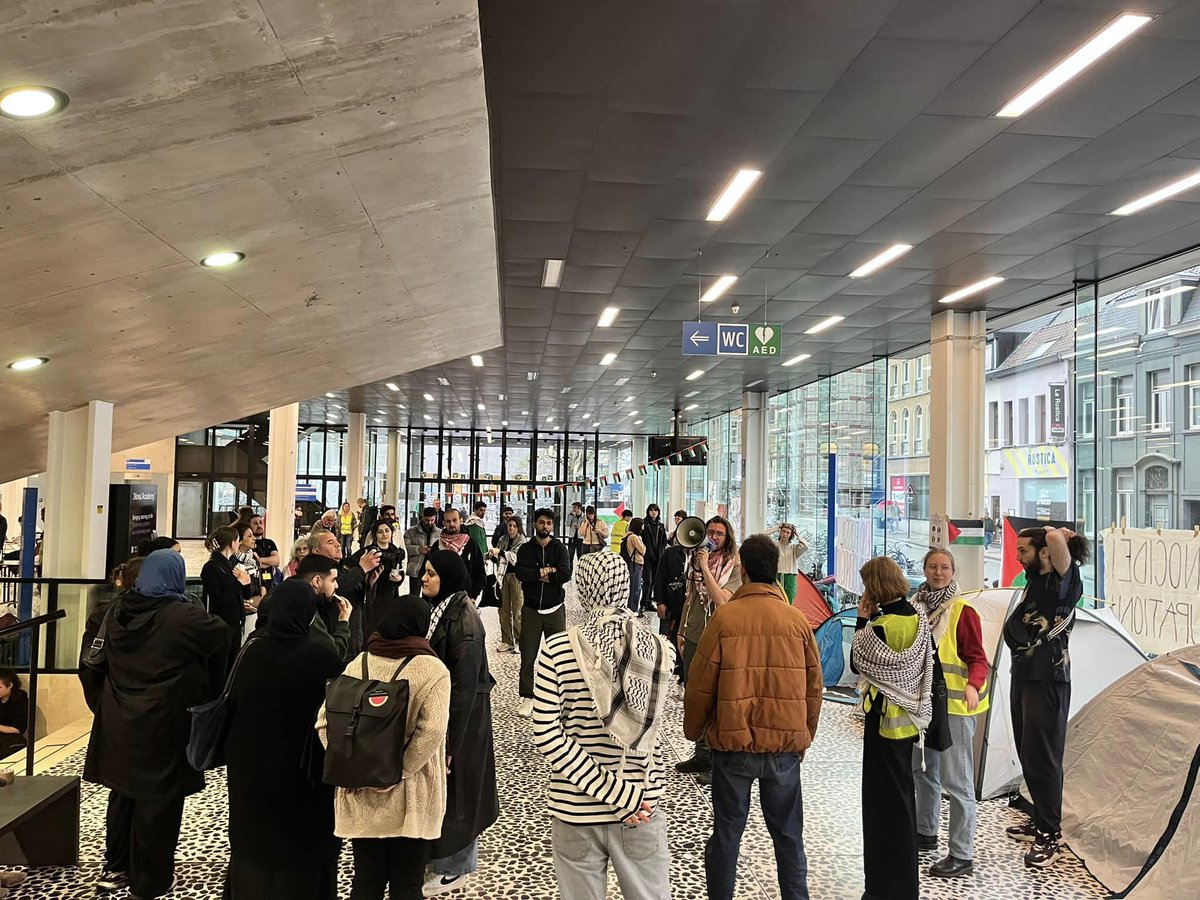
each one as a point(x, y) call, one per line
point(714, 573)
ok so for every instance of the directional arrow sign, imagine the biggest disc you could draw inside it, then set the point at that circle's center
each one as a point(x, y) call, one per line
point(699, 338)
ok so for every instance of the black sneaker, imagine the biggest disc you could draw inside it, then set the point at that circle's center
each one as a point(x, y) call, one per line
point(111, 880)
point(951, 867)
point(1045, 851)
point(694, 765)
point(704, 778)
point(927, 841)
point(1026, 833)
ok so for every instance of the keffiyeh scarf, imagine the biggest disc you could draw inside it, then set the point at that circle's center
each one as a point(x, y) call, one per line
point(933, 605)
point(905, 677)
point(627, 669)
point(455, 542)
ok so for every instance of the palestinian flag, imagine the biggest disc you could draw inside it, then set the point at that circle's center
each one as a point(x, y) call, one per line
point(676, 458)
point(603, 481)
point(642, 469)
point(615, 477)
point(965, 532)
point(629, 474)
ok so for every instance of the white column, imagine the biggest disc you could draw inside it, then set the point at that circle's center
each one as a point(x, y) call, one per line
point(637, 487)
point(356, 449)
point(677, 493)
point(392, 480)
point(281, 476)
point(956, 446)
point(77, 459)
point(754, 464)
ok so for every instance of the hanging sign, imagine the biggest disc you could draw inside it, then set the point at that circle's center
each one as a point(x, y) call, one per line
point(732, 339)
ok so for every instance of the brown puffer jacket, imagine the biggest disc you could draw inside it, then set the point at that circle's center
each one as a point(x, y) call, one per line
point(755, 684)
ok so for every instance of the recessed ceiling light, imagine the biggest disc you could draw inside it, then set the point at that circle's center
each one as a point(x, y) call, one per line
point(795, 359)
point(572, 406)
point(971, 289)
point(608, 359)
point(429, 398)
point(443, 382)
point(32, 101)
point(620, 382)
point(481, 407)
point(695, 375)
point(691, 394)
point(531, 376)
point(733, 193)
point(1177, 187)
point(628, 399)
point(825, 323)
point(691, 406)
point(500, 396)
point(565, 390)
point(549, 418)
point(376, 419)
point(608, 316)
point(587, 415)
point(222, 259)
point(754, 383)
point(328, 393)
point(28, 363)
point(391, 386)
point(597, 425)
point(632, 414)
point(552, 273)
point(638, 421)
point(401, 406)
point(524, 412)
point(477, 360)
point(1112, 35)
point(720, 286)
point(878, 262)
point(504, 424)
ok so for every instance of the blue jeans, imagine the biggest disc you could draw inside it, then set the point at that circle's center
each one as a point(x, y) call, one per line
point(635, 586)
point(782, 802)
point(952, 772)
point(464, 862)
point(639, 857)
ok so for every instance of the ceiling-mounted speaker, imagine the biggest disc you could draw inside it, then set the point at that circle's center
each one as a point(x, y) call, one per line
point(690, 532)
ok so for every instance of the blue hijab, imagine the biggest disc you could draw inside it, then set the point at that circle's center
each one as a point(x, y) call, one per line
point(163, 575)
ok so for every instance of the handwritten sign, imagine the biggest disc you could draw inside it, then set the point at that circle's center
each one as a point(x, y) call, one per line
point(1152, 583)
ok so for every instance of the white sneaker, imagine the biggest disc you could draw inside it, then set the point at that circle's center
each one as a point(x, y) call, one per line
point(504, 648)
point(443, 884)
point(524, 710)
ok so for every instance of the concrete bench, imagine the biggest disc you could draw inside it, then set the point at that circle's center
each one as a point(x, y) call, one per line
point(39, 821)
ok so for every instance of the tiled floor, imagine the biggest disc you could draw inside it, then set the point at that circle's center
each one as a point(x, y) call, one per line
point(515, 853)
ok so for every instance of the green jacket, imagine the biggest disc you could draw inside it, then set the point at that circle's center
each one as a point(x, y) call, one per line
point(478, 533)
point(337, 643)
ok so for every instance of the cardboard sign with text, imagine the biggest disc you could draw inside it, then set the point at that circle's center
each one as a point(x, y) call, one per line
point(1152, 583)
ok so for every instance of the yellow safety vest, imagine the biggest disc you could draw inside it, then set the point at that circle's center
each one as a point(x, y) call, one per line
point(955, 669)
point(899, 632)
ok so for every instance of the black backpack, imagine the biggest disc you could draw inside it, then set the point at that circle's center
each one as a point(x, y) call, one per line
point(625, 554)
point(366, 721)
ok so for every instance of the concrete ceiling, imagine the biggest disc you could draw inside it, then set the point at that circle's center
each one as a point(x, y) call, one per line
point(616, 125)
point(342, 146)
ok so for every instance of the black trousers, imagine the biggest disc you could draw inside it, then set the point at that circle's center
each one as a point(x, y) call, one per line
point(649, 570)
point(380, 862)
point(140, 838)
point(533, 626)
point(889, 811)
point(1039, 720)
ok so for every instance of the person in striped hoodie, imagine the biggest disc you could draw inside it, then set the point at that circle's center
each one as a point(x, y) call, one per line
point(599, 694)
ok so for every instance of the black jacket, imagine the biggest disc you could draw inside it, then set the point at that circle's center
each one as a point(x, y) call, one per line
point(472, 803)
point(163, 656)
point(654, 535)
point(352, 584)
point(670, 581)
point(531, 557)
point(224, 595)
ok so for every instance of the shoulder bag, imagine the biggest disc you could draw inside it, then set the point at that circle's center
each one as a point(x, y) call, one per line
point(210, 724)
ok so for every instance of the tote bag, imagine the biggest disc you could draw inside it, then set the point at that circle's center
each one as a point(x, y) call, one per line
point(210, 724)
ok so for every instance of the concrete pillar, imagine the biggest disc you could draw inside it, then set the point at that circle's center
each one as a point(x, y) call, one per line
point(637, 486)
point(677, 493)
point(77, 460)
point(956, 446)
point(356, 451)
point(392, 479)
point(754, 463)
point(281, 476)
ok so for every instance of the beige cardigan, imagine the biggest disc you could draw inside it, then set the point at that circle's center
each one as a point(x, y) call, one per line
point(415, 807)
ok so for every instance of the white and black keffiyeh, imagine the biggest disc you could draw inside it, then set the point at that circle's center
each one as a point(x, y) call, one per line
point(934, 604)
point(627, 669)
point(905, 677)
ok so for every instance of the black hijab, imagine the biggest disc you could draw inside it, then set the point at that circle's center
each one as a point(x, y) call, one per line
point(404, 617)
point(293, 607)
point(453, 574)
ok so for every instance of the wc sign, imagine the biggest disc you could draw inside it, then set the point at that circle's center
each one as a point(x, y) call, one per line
point(729, 339)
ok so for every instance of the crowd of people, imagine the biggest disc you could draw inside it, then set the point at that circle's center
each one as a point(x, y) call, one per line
point(406, 608)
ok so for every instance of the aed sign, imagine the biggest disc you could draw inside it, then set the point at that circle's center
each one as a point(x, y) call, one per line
point(766, 340)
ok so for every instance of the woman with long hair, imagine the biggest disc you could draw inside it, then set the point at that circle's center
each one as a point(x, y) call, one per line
point(791, 548)
point(384, 582)
point(1038, 634)
point(512, 599)
point(635, 553)
point(280, 820)
point(347, 521)
point(892, 652)
point(228, 586)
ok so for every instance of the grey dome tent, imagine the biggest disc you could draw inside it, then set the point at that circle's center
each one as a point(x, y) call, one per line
point(1131, 805)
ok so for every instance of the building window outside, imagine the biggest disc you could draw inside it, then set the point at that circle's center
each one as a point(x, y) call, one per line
point(1158, 311)
point(1124, 493)
point(906, 381)
point(904, 423)
point(1160, 401)
point(892, 434)
point(1023, 422)
point(1087, 408)
point(1123, 405)
point(919, 430)
point(894, 381)
point(1039, 419)
point(920, 382)
point(993, 424)
point(1008, 423)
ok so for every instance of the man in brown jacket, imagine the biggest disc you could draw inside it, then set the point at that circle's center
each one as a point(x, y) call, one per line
point(754, 691)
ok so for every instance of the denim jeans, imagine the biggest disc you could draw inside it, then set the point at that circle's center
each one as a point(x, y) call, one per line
point(951, 771)
point(635, 587)
point(639, 857)
point(782, 803)
point(464, 862)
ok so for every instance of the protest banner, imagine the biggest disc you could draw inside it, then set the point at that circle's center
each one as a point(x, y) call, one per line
point(1152, 583)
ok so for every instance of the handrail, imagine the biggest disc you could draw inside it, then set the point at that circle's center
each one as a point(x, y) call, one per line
point(30, 623)
point(34, 627)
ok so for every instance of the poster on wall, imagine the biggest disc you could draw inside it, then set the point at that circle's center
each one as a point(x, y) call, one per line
point(1012, 573)
point(1152, 584)
point(143, 513)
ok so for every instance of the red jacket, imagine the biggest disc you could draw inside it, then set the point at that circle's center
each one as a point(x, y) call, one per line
point(970, 647)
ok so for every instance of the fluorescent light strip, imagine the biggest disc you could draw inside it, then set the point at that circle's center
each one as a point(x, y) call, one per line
point(477, 361)
point(795, 359)
point(481, 407)
point(893, 252)
point(1150, 298)
point(691, 406)
point(1113, 35)
point(443, 382)
point(732, 195)
point(608, 359)
point(552, 273)
point(695, 375)
point(691, 394)
point(970, 289)
point(608, 316)
point(825, 323)
point(429, 398)
point(720, 286)
point(1177, 187)
point(392, 387)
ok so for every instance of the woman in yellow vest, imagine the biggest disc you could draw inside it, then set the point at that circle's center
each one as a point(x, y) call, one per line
point(958, 636)
point(893, 653)
point(347, 522)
